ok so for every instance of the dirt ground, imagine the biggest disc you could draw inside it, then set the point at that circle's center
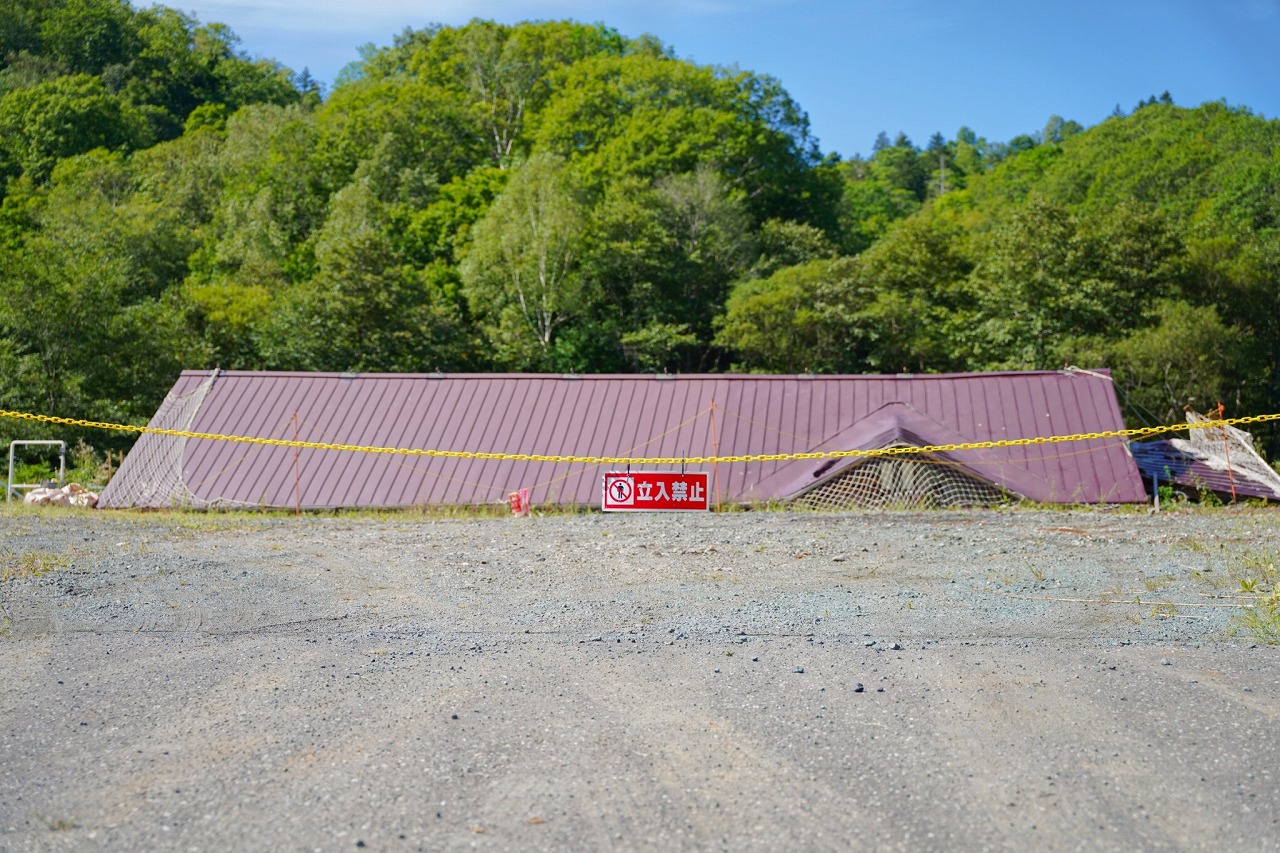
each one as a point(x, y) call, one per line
point(988, 680)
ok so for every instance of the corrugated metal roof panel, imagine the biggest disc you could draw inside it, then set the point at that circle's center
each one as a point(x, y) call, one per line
point(627, 415)
point(1166, 462)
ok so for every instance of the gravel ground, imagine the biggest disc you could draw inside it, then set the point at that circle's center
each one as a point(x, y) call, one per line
point(994, 680)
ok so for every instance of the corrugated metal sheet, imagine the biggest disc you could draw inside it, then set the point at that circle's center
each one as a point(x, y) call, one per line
point(629, 415)
point(1171, 461)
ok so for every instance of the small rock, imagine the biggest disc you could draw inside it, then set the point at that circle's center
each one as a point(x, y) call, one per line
point(895, 647)
point(858, 688)
point(868, 643)
point(798, 669)
point(454, 717)
point(1166, 662)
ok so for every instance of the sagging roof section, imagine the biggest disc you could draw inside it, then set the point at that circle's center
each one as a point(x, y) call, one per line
point(627, 415)
point(1172, 461)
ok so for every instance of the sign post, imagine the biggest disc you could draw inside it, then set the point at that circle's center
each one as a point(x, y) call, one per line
point(655, 491)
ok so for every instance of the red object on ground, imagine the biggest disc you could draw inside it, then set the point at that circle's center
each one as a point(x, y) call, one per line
point(519, 502)
point(655, 491)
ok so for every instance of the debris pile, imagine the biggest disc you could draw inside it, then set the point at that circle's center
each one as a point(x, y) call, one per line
point(72, 494)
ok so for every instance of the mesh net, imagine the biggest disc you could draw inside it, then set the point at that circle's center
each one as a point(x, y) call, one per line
point(157, 460)
point(1224, 447)
point(896, 482)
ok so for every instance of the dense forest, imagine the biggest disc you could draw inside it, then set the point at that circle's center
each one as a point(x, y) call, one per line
point(559, 197)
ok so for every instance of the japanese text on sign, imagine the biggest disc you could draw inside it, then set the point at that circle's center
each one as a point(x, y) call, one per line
point(654, 491)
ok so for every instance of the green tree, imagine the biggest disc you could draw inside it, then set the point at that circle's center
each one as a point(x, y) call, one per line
point(88, 36)
point(428, 128)
point(661, 257)
point(647, 116)
point(1029, 289)
point(1187, 356)
point(60, 118)
point(910, 297)
point(440, 231)
point(87, 325)
point(521, 277)
point(365, 309)
point(790, 322)
point(888, 310)
point(19, 30)
point(255, 203)
point(708, 225)
point(869, 205)
point(783, 243)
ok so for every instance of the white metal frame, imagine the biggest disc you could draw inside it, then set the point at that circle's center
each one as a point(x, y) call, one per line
point(11, 491)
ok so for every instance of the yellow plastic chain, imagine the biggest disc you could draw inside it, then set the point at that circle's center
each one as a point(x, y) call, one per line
point(644, 460)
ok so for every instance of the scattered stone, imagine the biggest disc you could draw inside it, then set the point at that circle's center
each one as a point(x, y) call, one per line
point(858, 688)
point(798, 669)
point(1166, 662)
point(895, 647)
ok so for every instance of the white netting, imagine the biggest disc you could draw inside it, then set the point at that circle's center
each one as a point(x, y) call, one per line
point(1224, 447)
point(900, 482)
point(157, 479)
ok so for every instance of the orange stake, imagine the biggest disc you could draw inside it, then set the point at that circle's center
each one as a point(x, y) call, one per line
point(1226, 449)
point(297, 479)
point(715, 451)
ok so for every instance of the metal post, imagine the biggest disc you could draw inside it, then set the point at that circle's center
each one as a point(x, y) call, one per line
point(62, 466)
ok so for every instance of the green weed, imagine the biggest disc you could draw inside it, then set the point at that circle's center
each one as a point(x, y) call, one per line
point(31, 564)
point(1255, 574)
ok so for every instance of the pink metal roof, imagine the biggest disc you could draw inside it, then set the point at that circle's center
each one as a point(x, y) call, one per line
point(625, 415)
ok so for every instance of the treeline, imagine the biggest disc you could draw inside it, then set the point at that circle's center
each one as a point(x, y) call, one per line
point(558, 197)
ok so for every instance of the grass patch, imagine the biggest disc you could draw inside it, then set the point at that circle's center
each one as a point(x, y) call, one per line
point(1251, 578)
point(30, 564)
point(1256, 574)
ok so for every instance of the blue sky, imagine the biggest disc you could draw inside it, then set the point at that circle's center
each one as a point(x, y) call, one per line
point(858, 67)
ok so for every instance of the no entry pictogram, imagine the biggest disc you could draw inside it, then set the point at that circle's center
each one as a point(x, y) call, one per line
point(655, 491)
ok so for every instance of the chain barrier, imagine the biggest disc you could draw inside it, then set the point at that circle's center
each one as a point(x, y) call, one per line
point(1139, 432)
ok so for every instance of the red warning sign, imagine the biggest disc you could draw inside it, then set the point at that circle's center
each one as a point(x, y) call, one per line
point(655, 491)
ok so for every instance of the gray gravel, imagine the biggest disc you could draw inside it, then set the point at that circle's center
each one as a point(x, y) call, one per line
point(995, 680)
